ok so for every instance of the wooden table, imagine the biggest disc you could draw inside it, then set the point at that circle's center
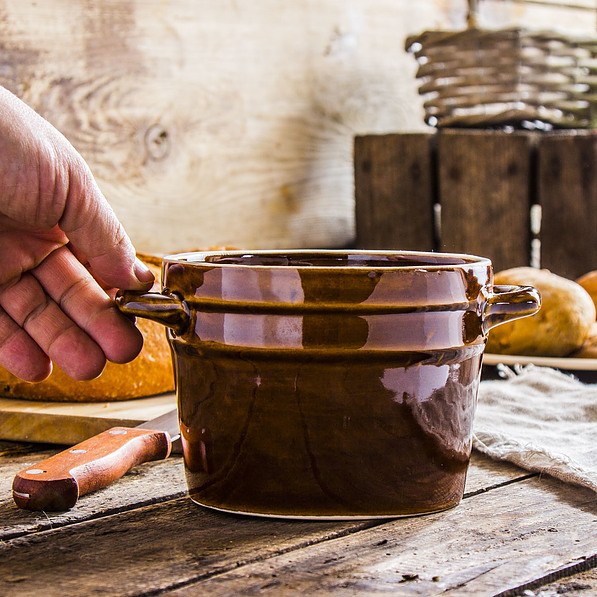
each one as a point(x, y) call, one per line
point(513, 532)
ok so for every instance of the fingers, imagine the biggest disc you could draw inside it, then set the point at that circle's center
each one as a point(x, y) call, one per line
point(68, 317)
point(55, 334)
point(20, 354)
point(80, 297)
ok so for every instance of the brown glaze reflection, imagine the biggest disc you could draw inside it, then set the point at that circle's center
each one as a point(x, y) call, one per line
point(349, 331)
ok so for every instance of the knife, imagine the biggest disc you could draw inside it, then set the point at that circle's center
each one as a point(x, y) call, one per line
point(56, 483)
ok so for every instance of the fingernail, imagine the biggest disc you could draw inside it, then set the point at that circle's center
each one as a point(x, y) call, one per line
point(142, 272)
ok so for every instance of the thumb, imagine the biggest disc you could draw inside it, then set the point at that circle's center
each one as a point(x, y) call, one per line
point(98, 237)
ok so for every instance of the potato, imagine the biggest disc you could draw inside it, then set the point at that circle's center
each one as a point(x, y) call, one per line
point(560, 327)
point(589, 283)
point(589, 348)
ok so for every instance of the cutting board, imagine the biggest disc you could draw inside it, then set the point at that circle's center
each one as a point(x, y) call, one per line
point(70, 423)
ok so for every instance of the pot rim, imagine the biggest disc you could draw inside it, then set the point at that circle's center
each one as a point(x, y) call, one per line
point(438, 261)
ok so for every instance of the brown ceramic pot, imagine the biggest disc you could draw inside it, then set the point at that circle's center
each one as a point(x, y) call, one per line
point(328, 384)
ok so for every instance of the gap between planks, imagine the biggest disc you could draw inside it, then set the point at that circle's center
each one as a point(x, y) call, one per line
point(564, 572)
point(252, 569)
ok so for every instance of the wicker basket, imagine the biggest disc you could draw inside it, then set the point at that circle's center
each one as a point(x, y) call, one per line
point(493, 78)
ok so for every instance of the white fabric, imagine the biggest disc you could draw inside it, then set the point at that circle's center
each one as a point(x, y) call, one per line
point(542, 420)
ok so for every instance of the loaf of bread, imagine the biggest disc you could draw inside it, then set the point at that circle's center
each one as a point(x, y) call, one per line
point(148, 374)
point(559, 328)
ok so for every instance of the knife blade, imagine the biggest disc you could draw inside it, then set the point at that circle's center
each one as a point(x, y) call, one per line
point(55, 484)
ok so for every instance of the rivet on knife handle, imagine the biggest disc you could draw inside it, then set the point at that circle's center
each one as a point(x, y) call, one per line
point(56, 483)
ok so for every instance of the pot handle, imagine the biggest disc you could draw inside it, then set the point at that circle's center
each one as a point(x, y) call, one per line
point(506, 303)
point(167, 309)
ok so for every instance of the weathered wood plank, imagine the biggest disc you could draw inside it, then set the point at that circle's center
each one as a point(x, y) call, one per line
point(492, 543)
point(394, 191)
point(147, 549)
point(567, 168)
point(162, 545)
point(484, 180)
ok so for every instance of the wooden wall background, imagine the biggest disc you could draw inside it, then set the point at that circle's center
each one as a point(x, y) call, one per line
point(232, 121)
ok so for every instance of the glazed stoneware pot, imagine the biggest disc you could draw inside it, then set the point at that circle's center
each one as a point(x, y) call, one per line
point(328, 384)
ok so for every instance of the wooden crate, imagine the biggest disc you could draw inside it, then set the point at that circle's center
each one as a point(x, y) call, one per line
point(519, 198)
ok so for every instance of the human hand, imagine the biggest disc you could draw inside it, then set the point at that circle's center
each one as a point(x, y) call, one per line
point(63, 254)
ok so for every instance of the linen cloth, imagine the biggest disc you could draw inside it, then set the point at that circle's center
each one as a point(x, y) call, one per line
point(542, 420)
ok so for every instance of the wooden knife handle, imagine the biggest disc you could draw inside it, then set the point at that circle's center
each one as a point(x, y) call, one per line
point(56, 483)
